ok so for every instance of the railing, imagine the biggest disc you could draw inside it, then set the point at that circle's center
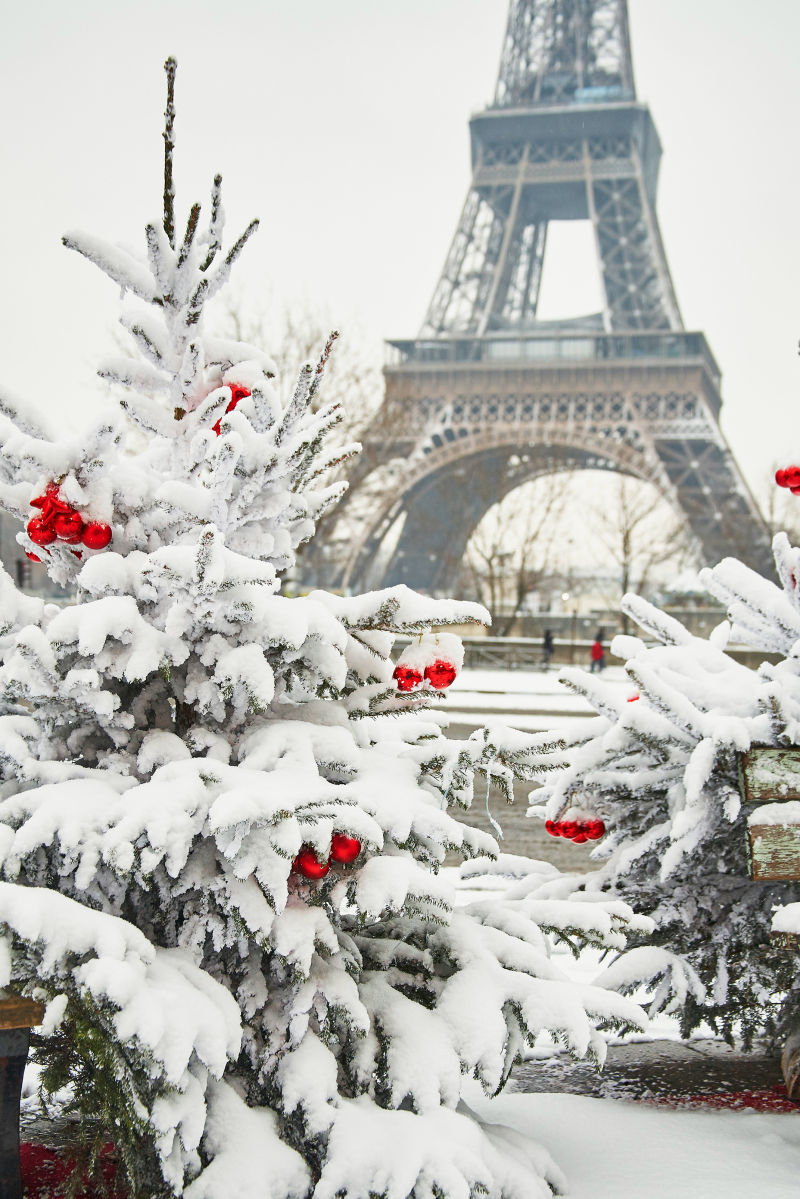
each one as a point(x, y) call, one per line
point(545, 347)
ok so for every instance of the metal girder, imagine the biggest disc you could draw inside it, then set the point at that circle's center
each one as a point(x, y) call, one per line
point(636, 279)
point(554, 50)
point(565, 140)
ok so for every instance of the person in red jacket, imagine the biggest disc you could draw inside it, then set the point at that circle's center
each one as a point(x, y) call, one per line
point(598, 654)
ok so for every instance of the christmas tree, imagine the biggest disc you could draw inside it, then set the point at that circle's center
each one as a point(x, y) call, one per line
point(223, 811)
point(659, 766)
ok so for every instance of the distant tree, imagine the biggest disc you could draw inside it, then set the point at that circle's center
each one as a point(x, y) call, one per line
point(515, 547)
point(640, 537)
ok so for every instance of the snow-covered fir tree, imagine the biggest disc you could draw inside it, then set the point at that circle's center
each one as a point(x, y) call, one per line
point(222, 822)
point(659, 766)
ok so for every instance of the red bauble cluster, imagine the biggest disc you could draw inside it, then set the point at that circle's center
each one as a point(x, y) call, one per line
point(59, 521)
point(439, 674)
point(432, 661)
point(237, 393)
point(576, 830)
point(789, 477)
point(343, 850)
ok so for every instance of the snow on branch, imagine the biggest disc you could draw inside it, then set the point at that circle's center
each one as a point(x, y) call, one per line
point(171, 1023)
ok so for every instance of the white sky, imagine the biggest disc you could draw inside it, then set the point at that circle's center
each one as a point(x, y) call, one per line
point(344, 127)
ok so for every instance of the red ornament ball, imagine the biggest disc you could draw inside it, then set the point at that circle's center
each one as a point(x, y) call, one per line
point(789, 477)
point(96, 535)
point(569, 829)
point(594, 829)
point(308, 864)
point(33, 557)
point(68, 527)
point(237, 393)
point(440, 674)
point(406, 678)
point(580, 838)
point(552, 828)
point(632, 699)
point(40, 532)
point(344, 849)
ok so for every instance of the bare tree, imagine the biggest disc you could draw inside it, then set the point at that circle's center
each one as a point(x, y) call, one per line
point(640, 537)
point(515, 547)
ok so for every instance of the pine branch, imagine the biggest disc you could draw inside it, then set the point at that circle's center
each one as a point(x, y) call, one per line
point(170, 66)
point(323, 361)
point(188, 238)
point(215, 224)
point(221, 277)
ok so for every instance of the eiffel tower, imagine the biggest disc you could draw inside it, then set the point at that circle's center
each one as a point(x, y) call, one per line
point(487, 396)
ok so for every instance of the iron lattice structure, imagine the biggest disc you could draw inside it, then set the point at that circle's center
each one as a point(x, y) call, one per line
point(487, 396)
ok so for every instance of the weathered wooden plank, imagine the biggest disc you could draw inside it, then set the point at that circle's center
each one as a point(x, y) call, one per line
point(790, 1066)
point(774, 852)
point(18, 1012)
point(790, 941)
point(769, 775)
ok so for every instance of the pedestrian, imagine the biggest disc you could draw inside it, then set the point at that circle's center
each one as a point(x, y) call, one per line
point(598, 654)
point(547, 647)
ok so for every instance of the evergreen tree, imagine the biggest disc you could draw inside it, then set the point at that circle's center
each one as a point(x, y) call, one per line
point(222, 822)
point(659, 766)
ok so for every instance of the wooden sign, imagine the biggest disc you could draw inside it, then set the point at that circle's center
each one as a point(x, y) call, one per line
point(769, 775)
point(774, 852)
point(18, 1012)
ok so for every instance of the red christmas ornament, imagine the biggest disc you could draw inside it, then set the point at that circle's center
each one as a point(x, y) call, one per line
point(552, 828)
point(632, 699)
point(789, 477)
point(40, 531)
point(580, 838)
point(33, 557)
point(96, 535)
point(344, 849)
point(569, 829)
point(68, 526)
point(308, 864)
point(237, 393)
point(440, 674)
point(594, 829)
point(406, 678)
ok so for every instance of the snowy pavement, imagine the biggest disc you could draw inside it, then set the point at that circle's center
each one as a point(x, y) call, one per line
point(616, 1150)
point(532, 700)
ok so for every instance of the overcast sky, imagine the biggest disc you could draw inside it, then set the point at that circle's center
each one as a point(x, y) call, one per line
point(344, 127)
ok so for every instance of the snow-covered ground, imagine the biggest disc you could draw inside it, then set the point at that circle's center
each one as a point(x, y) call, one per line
point(532, 700)
point(613, 1150)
